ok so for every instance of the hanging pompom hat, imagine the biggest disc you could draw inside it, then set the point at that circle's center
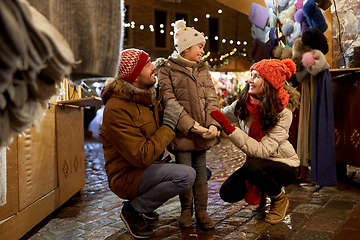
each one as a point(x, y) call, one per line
point(185, 37)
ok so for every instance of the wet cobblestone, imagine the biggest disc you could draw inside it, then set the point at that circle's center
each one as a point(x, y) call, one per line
point(314, 213)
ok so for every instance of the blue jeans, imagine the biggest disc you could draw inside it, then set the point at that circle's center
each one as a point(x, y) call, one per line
point(159, 183)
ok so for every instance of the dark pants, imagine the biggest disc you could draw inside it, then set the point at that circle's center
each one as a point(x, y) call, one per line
point(267, 175)
point(160, 182)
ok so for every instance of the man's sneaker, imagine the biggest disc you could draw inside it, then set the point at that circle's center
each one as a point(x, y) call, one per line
point(135, 222)
point(151, 215)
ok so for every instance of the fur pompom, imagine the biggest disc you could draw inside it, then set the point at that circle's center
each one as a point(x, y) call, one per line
point(278, 51)
point(179, 25)
point(308, 59)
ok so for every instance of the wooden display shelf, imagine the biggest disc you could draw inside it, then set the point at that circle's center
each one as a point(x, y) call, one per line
point(342, 72)
point(82, 102)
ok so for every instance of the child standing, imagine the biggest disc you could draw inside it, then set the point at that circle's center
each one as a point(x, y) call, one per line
point(185, 78)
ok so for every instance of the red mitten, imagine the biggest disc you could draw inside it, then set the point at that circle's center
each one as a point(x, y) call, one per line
point(224, 122)
point(253, 195)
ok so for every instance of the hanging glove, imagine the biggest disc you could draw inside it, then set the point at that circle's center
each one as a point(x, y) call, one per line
point(172, 113)
point(224, 122)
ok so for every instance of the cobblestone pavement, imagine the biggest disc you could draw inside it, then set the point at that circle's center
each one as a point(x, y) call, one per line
point(93, 213)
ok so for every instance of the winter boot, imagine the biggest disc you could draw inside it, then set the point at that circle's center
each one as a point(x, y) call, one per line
point(278, 208)
point(186, 200)
point(203, 219)
point(135, 222)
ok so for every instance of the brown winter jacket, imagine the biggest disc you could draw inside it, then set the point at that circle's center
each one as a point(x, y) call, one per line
point(132, 136)
point(196, 93)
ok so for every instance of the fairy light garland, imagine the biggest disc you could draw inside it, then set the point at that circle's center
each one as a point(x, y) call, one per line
point(224, 59)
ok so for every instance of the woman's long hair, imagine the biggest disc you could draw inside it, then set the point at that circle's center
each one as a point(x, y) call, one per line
point(270, 106)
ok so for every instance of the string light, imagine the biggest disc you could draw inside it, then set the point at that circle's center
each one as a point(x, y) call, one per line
point(132, 24)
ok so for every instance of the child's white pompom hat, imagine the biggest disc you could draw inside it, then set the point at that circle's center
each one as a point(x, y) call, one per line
point(185, 37)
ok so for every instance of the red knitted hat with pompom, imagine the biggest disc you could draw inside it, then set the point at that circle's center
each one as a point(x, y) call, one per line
point(132, 61)
point(275, 71)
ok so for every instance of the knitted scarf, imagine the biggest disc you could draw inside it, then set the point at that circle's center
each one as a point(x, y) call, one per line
point(253, 195)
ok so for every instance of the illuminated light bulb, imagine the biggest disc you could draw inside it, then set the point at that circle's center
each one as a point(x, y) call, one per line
point(196, 19)
point(216, 38)
point(220, 11)
point(238, 42)
point(231, 41)
point(224, 40)
point(207, 15)
point(142, 27)
point(161, 25)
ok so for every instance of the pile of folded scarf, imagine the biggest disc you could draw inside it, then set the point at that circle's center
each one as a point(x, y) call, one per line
point(34, 59)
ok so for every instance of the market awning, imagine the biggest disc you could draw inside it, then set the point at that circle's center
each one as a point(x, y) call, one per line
point(242, 6)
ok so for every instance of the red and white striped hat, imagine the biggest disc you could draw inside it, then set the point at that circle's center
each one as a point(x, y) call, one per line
point(132, 61)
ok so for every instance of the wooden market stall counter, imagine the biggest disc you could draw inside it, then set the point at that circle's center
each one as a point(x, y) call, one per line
point(346, 94)
point(45, 168)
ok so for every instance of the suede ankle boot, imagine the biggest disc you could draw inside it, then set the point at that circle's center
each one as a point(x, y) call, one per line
point(203, 219)
point(186, 201)
point(278, 207)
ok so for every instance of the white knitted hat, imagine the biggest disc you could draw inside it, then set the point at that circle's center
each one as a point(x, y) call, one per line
point(186, 37)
